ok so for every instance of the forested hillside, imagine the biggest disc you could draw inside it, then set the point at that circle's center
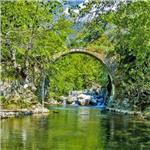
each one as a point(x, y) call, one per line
point(34, 31)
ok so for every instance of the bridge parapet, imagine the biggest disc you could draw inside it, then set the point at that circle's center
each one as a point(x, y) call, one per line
point(80, 50)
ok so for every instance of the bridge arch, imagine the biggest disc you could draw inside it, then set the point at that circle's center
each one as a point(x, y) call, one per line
point(100, 57)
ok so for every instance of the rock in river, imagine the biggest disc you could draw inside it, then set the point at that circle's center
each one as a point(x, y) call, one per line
point(84, 100)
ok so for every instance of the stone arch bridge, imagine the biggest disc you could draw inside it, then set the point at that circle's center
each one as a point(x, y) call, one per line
point(98, 56)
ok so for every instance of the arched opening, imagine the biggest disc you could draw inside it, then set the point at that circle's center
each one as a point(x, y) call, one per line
point(100, 58)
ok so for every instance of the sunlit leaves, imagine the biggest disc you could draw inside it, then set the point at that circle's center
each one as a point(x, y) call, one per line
point(76, 72)
point(123, 29)
point(32, 31)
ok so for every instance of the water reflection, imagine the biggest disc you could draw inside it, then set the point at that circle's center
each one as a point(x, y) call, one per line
point(75, 129)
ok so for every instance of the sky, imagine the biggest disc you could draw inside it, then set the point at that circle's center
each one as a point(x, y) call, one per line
point(73, 3)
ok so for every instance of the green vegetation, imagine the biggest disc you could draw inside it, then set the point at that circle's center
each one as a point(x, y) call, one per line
point(125, 29)
point(31, 33)
point(34, 31)
point(76, 72)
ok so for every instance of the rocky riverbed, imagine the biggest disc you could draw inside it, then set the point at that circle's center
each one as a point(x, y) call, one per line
point(83, 98)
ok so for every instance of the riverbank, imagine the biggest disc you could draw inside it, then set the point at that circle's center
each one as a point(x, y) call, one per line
point(5, 113)
point(127, 112)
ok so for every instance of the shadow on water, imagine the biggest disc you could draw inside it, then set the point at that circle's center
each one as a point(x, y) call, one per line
point(75, 128)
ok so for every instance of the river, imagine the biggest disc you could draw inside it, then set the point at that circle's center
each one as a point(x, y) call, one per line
point(75, 128)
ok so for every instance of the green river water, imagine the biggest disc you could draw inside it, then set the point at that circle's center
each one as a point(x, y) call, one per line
point(74, 128)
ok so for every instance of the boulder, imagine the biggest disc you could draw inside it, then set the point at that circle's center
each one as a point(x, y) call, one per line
point(75, 103)
point(72, 99)
point(93, 102)
point(40, 110)
point(84, 96)
point(53, 102)
point(84, 100)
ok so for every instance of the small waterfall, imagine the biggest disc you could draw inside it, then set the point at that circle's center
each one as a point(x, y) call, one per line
point(100, 104)
point(64, 102)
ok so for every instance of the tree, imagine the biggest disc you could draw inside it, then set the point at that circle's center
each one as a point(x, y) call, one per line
point(125, 27)
point(132, 43)
point(31, 33)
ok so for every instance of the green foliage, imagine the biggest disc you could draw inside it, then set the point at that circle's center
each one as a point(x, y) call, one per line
point(31, 32)
point(133, 46)
point(126, 26)
point(76, 72)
